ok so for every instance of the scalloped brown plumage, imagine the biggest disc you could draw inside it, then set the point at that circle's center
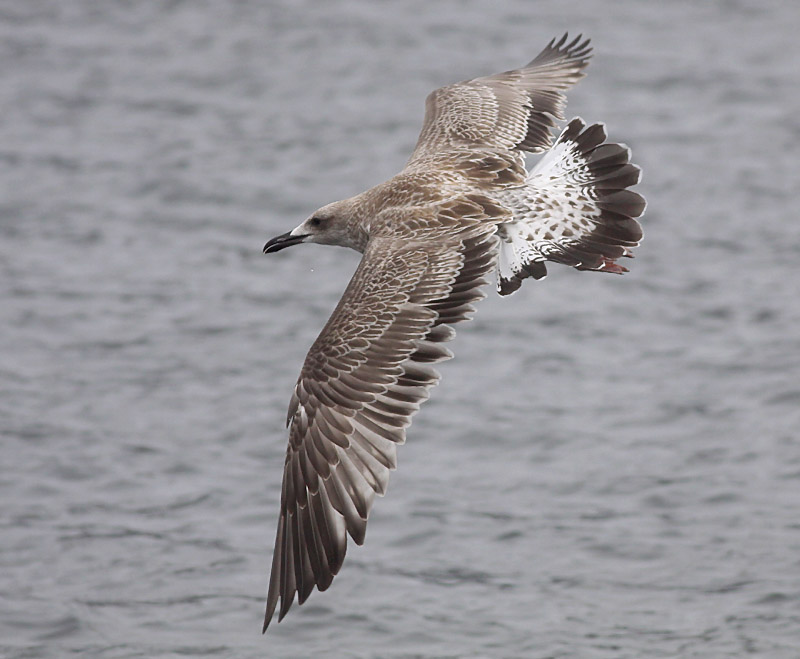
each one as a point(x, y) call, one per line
point(430, 236)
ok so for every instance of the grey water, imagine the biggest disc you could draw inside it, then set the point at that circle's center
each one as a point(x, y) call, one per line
point(611, 465)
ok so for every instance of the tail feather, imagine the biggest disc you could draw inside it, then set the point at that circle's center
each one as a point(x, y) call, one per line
point(575, 209)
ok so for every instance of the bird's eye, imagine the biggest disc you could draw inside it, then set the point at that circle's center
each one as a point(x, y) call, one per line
point(315, 221)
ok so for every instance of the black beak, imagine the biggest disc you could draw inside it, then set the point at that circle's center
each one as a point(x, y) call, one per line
point(285, 240)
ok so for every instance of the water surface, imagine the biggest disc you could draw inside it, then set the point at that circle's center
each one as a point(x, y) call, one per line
point(611, 465)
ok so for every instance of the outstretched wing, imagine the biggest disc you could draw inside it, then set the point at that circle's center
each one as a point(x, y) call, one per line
point(363, 379)
point(506, 111)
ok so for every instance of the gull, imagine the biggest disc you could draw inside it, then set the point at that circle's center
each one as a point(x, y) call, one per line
point(465, 205)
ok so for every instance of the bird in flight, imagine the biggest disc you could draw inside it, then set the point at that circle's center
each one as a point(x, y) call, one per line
point(465, 205)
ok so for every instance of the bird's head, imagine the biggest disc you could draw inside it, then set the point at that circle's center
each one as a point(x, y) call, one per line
point(329, 225)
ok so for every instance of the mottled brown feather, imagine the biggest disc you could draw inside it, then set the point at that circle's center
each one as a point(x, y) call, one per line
point(430, 237)
point(353, 400)
point(505, 112)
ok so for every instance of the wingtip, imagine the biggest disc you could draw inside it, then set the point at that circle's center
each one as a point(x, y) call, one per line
point(271, 604)
point(558, 42)
point(268, 617)
point(578, 48)
point(286, 604)
point(562, 50)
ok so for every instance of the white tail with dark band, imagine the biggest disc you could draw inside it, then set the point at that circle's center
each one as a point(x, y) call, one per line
point(575, 209)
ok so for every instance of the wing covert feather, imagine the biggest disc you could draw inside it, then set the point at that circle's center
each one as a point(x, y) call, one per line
point(514, 110)
point(363, 378)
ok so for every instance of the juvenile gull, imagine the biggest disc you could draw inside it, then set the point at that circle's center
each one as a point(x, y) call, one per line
point(464, 205)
